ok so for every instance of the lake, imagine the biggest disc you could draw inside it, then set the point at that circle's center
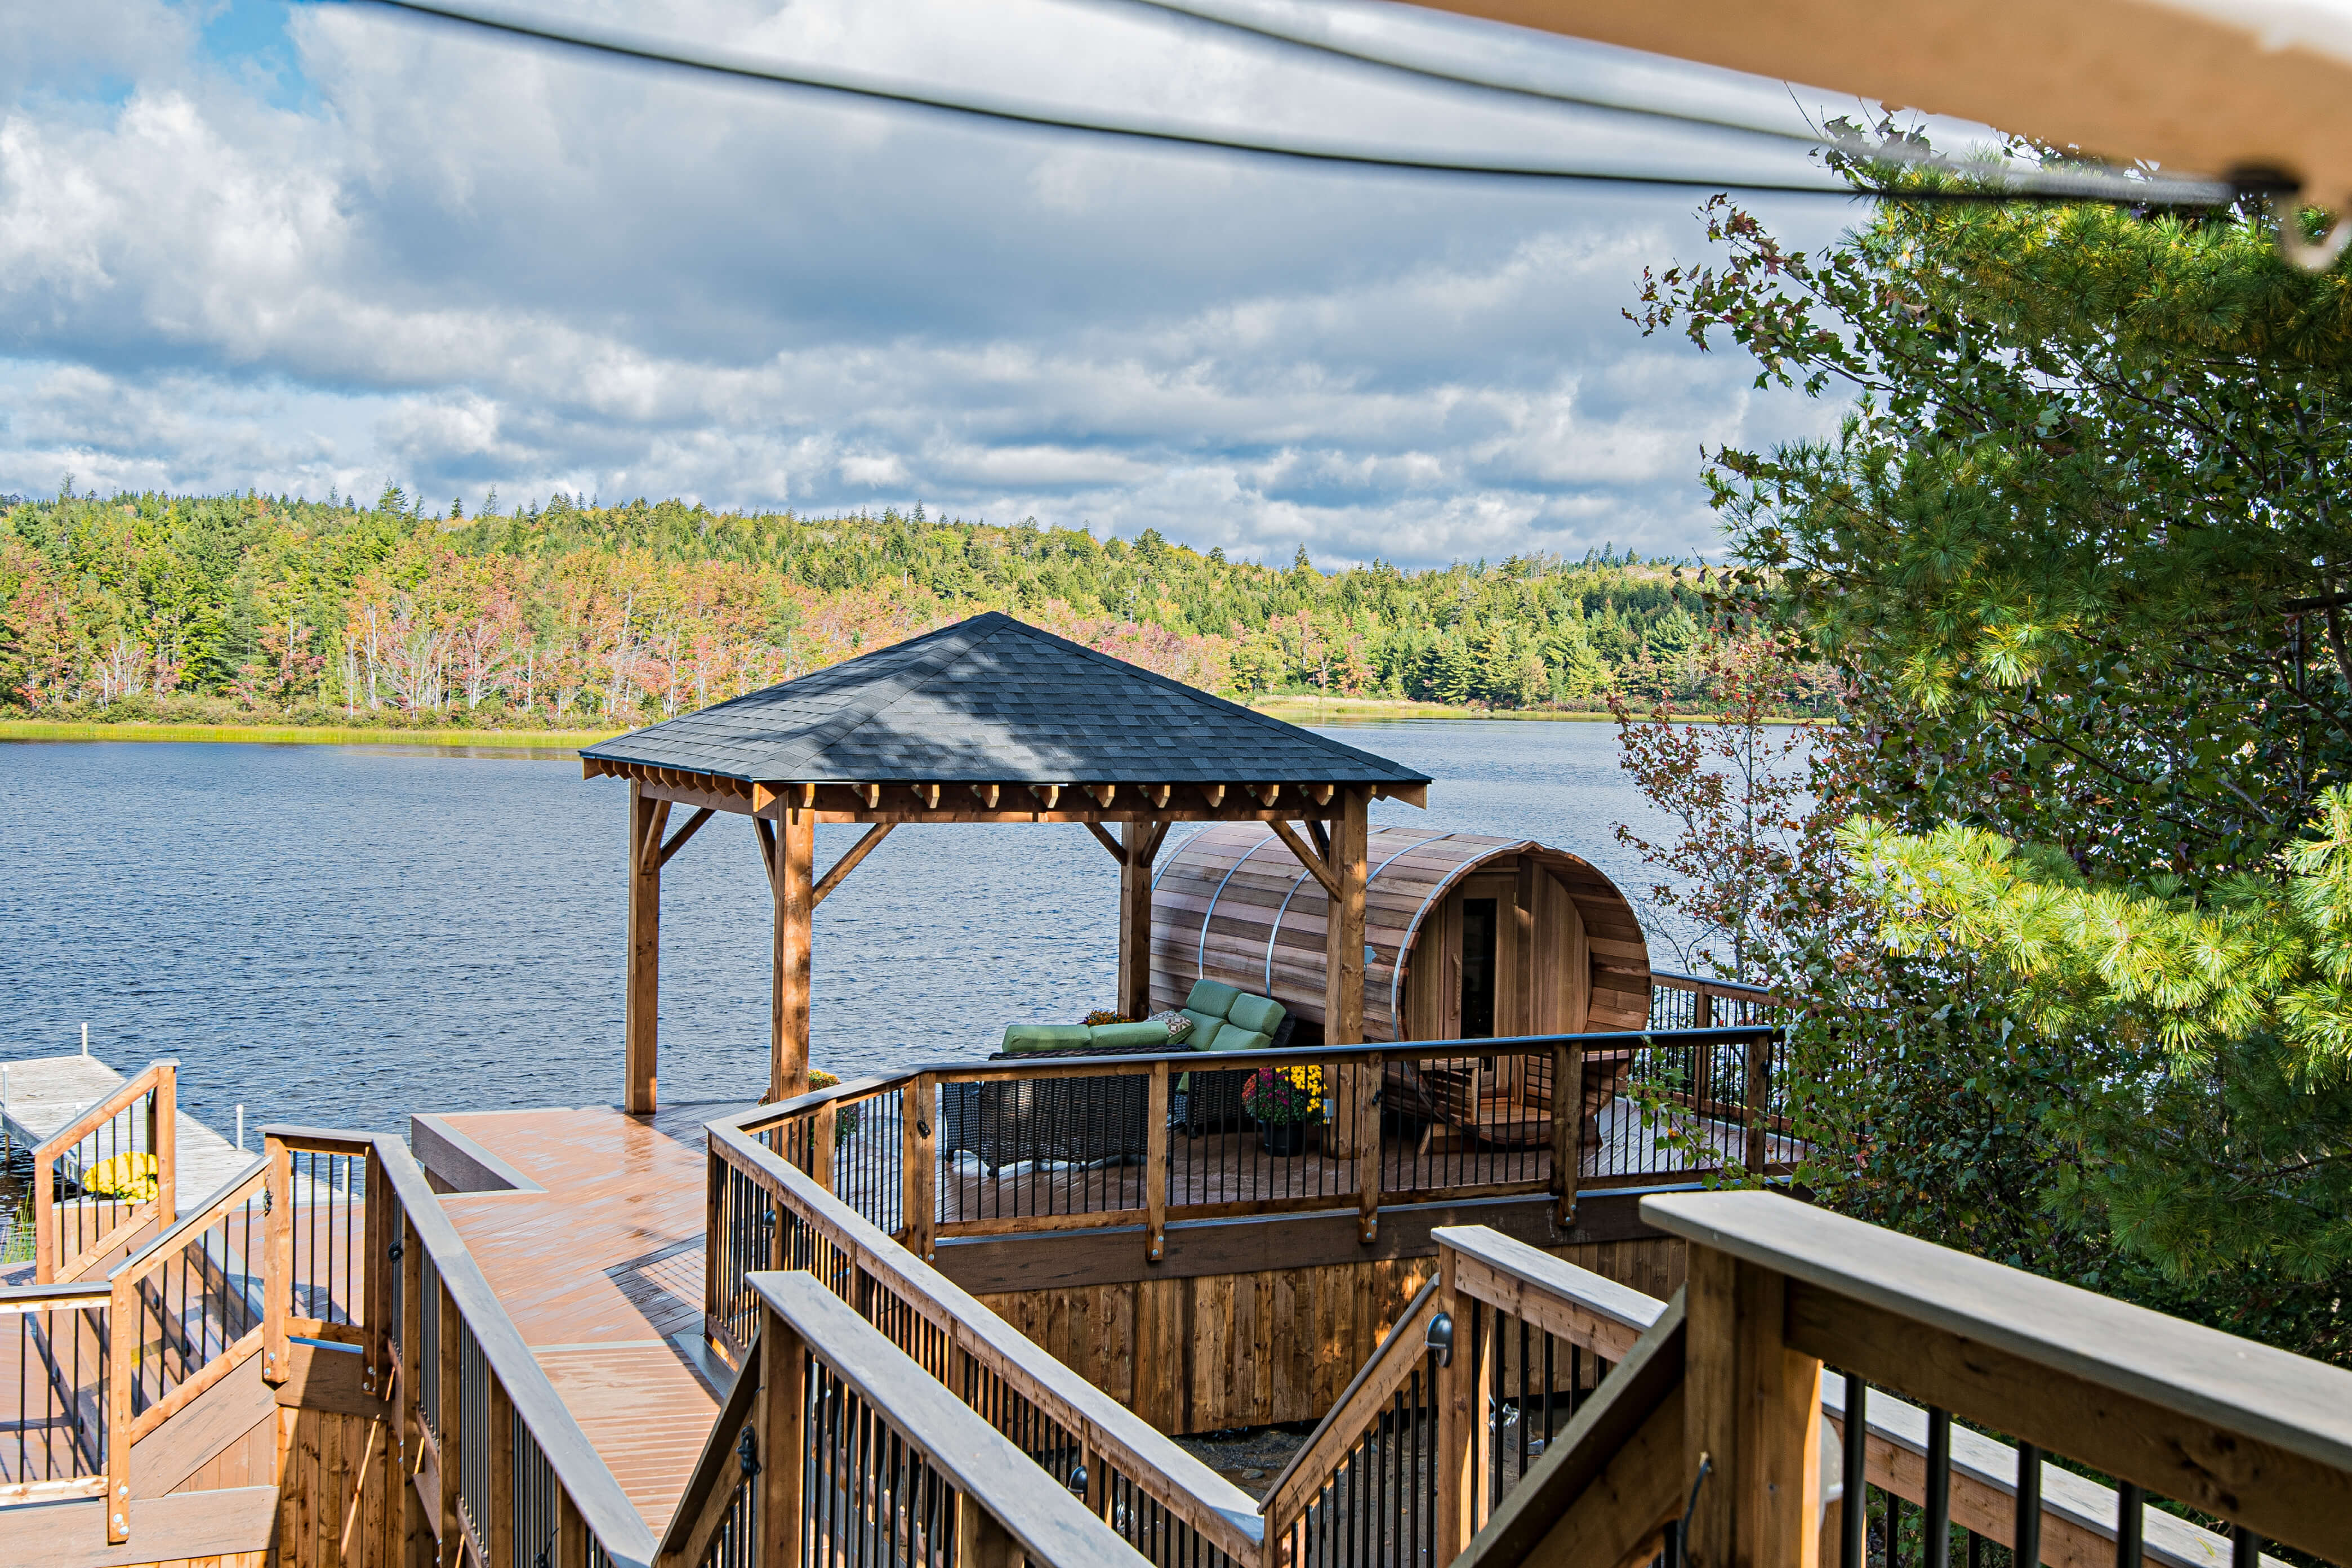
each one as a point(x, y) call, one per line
point(340, 936)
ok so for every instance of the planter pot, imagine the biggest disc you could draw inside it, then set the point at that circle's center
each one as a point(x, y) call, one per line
point(1283, 1139)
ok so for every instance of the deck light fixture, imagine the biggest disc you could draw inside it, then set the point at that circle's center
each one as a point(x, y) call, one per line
point(1439, 1338)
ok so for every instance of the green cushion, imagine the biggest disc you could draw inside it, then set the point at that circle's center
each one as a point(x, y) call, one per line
point(1210, 997)
point(1144, 1034)
point(1233, 1037)
point(1046, 1036)
point(1204, 1024)
point(1262, 1013)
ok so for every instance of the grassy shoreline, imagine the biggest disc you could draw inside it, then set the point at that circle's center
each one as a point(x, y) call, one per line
point(1312, 710)
point(300, 734)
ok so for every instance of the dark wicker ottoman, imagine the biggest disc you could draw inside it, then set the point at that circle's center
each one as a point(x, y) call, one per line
point(1084, 1121)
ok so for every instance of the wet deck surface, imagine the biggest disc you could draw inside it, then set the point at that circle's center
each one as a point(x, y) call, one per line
point(603, 1275)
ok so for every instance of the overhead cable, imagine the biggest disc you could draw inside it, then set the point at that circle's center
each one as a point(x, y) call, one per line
point(2015, 184)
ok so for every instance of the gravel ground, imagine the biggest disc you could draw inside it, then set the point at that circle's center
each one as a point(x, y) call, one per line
point(1249, 1456)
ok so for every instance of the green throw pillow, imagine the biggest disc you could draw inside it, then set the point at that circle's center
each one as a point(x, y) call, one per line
point(1211, 997)
point(1144, 1034)
point(1046, 1036)
point(1262, 1013)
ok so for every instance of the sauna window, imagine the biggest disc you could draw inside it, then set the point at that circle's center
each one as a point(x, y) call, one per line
point(1478, 969)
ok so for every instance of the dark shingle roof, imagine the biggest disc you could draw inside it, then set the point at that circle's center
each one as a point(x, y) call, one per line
point(993, 700)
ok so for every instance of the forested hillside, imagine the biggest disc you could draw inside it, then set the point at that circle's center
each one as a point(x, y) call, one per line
point(568, 616)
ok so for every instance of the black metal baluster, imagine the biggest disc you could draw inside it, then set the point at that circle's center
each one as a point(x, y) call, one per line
point(2027, 1536)
point(2131, 1524)
point(1936, 1525)
point(1854, 1516)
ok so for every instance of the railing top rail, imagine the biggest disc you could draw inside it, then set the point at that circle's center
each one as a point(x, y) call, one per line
point(1051, 1526)
point(1735, 988)
point(104, 1109)
point(322, 1140)
point(2295, 1404)
point(759, 1117)
point(33, 1298)
point(1134, 1442)
point(604, 1507)
point(1590, 1293)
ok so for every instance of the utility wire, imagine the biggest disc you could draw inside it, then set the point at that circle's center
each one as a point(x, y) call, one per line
point(2016, 185)
point(1321, 40)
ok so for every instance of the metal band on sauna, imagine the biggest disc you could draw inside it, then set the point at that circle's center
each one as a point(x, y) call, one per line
point(1412, 927)
point(1200, 957)
point(1273, 931)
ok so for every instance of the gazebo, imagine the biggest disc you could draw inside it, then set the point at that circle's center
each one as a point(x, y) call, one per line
point(990, 719)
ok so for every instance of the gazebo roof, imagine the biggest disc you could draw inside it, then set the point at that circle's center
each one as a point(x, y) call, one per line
point(992, 699)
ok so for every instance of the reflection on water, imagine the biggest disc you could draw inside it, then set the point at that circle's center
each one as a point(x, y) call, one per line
point(341, 936)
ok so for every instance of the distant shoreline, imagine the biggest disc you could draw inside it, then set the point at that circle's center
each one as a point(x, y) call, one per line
point(1307, 709)
point(300, 734)
point(1295, 710)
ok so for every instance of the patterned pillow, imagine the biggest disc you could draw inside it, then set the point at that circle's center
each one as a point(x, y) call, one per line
point(1179, 1026)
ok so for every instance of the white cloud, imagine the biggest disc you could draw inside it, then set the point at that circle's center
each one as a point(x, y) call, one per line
point(464, 265)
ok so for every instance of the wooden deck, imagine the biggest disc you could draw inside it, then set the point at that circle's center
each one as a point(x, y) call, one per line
point(603, 1275)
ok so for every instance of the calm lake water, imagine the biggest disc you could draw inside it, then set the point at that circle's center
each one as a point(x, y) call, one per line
point(340, 936)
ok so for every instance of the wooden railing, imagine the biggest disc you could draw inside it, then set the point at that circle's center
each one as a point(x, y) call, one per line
point(766, 1214)
point(119, 1156)
point(1713, 1421)
point(1679, 1001)
point(834, 1447)
point(1364, 1487)
point(1070, 1144)
point(1502, 1348)
point(58, 1340)
point(358, 1253)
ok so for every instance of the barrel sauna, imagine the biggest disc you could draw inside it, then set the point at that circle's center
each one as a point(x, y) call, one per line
point(1447, 953)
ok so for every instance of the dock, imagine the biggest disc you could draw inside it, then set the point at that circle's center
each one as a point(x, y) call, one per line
point(42, 1095)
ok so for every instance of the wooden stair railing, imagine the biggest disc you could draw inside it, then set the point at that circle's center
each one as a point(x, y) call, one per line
point(359, 1252)
point(184, 1312)
point(58, 1338)
point(1717, 1415)
point(116, 1139)
point(766, 1213)
point(1364, 1487)
point(834, 1446)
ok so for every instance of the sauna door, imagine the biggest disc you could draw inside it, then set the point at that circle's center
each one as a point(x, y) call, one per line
point(1479, 997)
point(1478, 974)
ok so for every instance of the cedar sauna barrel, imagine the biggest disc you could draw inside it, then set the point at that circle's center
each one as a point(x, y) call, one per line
point(1465, 936)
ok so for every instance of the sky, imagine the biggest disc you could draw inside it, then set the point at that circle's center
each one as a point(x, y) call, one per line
point(327, 246)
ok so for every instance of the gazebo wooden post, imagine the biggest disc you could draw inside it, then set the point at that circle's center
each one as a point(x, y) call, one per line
point(642, 997)
point(788, 1017)
point(1343, 947)
point(1135, 919)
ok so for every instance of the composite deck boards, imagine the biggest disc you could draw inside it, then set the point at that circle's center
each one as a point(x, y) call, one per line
point(601, 1274)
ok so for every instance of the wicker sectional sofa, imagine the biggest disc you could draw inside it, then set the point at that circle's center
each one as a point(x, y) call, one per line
point(1105, 1120)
